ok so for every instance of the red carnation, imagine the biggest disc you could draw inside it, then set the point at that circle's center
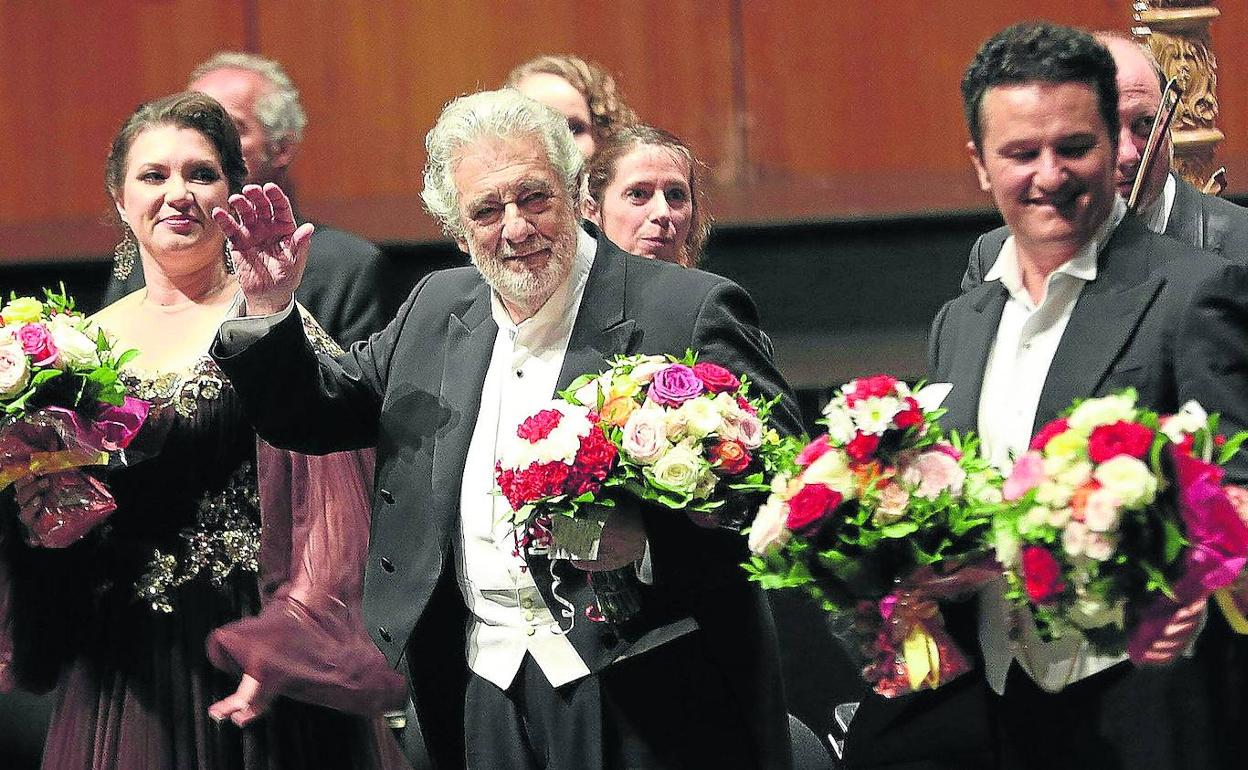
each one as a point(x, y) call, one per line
point(539, 426)
point(729, 457)
point(1187, 445)
point(1046, 434)
point(716, 378)
point(862, 446)
point(877, 386)
point(911, 415)
point(745, 405)
point(1042, 574)
point(1120, 438)
point(810, 504)
point(813, 451)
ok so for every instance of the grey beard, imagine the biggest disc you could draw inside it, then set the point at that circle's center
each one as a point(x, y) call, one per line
point(529, 288)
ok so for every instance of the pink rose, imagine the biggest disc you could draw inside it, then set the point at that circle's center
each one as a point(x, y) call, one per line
point(675, 385)
point(1027, 474)
point(644, 437)
point(14, 370)
point(811, 504)
point(768, 529)
point(932, 472)
point(892, 504)
point(37, 343)
point(813, 451)
point(1102, 511)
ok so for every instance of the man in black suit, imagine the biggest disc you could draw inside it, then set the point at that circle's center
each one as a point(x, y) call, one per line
point(341, 284)
point(1082, 301)
point(694, 681)
point(1167, 204)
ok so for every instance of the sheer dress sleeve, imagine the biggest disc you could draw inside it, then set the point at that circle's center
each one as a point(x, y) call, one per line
point(308, 642)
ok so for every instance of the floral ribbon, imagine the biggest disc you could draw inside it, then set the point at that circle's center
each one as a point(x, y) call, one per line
point(1217, 552)
point(911, 649)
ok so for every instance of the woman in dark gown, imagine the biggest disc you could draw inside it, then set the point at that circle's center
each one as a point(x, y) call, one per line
point(220, 547)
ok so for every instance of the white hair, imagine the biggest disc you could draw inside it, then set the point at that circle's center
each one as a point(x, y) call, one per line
point(502, 114)
point(279, 111)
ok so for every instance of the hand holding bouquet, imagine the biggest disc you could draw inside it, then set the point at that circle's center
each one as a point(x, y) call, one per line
point(883, 517)
point(64, 408)
point(1117, 520)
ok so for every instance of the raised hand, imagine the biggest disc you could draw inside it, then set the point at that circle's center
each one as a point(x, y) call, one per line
point(268, 250)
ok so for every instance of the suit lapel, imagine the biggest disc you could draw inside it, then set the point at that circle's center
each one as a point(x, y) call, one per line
point(469, 344)
point(975, 337)
point(602, 329)
point(1103, 320)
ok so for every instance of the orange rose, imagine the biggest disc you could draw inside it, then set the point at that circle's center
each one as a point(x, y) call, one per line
point(616, 411)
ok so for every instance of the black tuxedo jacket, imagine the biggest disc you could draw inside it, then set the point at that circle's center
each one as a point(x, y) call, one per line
point(414, 390)
point(1170, 321)
point(1196, 219)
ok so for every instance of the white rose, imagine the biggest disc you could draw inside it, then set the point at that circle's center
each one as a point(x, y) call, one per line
point(675, 422)
point(77, 349)
point(1007, 546)
point(984, 487)
point(644, 437)
point(589, 393)
point(1129, 480)
point(1053, 494)
point(14, 369)
point(831, 470)
point(1037, 516)
point(1076, 474)
point(646, 367)
point(700, 417)
point(677, 471)
point(768, 530)
point(1102, 411)
point(1058, 517)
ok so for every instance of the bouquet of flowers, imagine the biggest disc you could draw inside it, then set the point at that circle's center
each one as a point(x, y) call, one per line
point(679, 433)
point(64, 408)
point(1117, 518)
point(690, 437)
point(880, 519)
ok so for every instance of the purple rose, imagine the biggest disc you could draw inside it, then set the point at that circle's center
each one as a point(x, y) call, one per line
point(675, 385)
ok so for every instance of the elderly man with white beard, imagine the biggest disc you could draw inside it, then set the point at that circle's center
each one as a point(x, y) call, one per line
point(497, 682)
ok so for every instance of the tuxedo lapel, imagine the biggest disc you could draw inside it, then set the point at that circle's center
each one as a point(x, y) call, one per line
point(1103, 320)
point(978, 329)
point(469, 344)
point(601, 330)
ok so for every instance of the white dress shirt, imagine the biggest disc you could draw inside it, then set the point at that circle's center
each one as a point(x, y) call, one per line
point(1018, 365)
point(507, 616)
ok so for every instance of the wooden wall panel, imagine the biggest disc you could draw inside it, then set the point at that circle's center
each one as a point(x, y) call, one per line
point(72, 71)
point(851, 107)
point(375, 73)
point(854, 88)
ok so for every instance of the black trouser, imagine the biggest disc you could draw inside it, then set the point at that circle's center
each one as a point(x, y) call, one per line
point(1126, 717)
point(666, 708)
